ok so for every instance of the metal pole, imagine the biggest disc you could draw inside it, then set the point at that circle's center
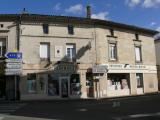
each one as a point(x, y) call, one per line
point(15, 86)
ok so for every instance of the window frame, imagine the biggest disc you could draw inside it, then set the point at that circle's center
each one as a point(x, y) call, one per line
point(109, 53)
point(141, 80)
point(70, 28)
point(71, 46)
point(4, 41)
point(140, 53)
point(48, 50)
point(45, 28)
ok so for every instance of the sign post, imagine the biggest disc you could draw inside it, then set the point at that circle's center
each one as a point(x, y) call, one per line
point(13, 66)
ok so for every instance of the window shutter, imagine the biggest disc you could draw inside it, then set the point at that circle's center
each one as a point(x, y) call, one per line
point(43, 51)
point(138, 54)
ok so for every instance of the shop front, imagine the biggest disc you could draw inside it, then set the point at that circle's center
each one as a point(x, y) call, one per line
point(118, 84)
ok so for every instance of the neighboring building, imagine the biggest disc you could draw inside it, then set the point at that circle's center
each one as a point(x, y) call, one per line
point(157, 46)
point(78, 57)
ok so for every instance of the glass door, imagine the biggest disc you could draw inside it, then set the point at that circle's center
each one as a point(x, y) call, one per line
point(64, 86)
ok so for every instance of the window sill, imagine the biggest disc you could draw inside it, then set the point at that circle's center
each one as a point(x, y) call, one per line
point(113, 60)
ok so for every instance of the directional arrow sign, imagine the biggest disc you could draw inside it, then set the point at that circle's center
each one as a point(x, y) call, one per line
point(14, 55)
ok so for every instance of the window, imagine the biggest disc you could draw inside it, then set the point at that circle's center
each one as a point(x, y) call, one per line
point(1, 25)
point(2, 47)
point(136, 36)
point(139, 77)
point(111, 32)
point(112, 51)
point(71, 52)
point(44, 51)
point(31, 83)
point(138, 54)
point(45, 28)
point(70, 29)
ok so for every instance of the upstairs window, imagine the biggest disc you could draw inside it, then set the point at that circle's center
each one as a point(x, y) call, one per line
point(111, 32)
point(70, 29)
point(136, 36)
point(1, 25)
point(2, 47)
point(70, 51)
point(138, 54)
point(112, 51)
point(44, 51)
point(45, 28)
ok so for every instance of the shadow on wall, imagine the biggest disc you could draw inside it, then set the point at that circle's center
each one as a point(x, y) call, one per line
point(55, 70)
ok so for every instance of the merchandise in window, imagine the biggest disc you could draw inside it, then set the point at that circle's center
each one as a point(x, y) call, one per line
point(118, 81)
point(139, 77)
point(53, 85)
point(31, 82)
point(75, 86)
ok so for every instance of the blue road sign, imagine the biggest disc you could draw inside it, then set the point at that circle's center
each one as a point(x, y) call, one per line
point(14, 55)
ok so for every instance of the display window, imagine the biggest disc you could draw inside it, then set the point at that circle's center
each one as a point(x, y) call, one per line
point(75, 86)
point(31, 83)
point(53, 85)
point(118, 81)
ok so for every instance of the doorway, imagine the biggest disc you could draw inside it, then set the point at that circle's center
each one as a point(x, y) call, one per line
point(64, 87)
point(2, 87)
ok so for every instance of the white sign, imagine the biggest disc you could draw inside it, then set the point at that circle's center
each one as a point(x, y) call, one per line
point(99, 69)
point(13, 71)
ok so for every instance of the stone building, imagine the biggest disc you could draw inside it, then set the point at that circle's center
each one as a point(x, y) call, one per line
point(157, 48)
point(72, 57)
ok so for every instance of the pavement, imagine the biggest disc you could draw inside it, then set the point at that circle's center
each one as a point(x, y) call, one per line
point(126, 108)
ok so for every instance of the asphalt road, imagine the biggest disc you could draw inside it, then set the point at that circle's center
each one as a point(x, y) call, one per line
point(132, 108)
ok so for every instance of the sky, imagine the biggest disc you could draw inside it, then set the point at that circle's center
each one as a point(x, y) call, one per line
point(142, 13)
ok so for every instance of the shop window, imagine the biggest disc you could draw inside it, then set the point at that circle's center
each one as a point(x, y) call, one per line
point(2, 47)
point(138, 54)
point(139, 77)
point(31, 82)
point(45, 28)
point(112, 51)
point(89, 84)
point(70, 29)
point(118, 81)
point(53, 85)
point(75, 86)
point(44, 51)
point(71, 52)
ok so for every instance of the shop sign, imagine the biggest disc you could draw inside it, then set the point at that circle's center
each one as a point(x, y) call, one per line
point(65, 67)
point(99, 69)
point(126, 66)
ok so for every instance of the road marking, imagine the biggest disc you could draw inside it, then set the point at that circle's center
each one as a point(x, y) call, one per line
point(137, 116)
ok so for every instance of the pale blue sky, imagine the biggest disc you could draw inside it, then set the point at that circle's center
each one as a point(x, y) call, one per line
point(143, 13)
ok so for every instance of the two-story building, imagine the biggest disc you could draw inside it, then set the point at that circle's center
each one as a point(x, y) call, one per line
point(77, 57)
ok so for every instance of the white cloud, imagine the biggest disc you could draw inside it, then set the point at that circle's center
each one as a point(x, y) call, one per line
point(152, 23)
point(101, 15)
point(132, 3)
point(57, 6)
point(75, 9)
point(151, 3)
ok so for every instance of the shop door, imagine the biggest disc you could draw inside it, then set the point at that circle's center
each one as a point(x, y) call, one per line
point(64, 86)
point(2, 88)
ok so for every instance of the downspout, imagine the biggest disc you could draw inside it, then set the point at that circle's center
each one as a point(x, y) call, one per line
point(18, 32)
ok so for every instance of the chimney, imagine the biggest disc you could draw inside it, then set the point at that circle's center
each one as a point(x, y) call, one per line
point(88, 11)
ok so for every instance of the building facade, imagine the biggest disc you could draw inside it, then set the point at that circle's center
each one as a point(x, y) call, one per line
point(69, 57)
point(157, 48)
